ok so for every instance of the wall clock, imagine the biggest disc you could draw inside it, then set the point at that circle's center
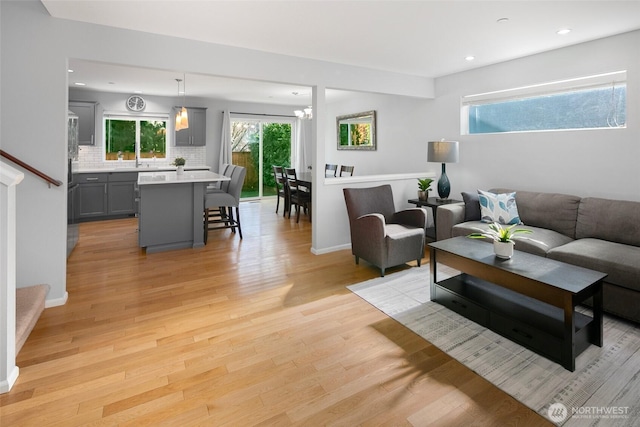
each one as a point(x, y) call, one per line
point(136, 103)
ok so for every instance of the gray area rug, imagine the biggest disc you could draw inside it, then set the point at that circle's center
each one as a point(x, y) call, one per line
point(604, 390)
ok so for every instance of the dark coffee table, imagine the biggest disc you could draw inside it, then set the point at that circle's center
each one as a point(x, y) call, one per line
point(529, 299)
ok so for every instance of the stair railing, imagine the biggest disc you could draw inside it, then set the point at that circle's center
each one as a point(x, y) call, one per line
point(31, 169)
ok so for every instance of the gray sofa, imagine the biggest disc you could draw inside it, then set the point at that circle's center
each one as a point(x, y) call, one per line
point(595, 233)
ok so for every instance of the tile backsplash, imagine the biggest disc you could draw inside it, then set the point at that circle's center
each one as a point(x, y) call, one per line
point(91, 157)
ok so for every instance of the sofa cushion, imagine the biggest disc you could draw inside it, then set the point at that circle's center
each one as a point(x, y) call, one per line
point(500, 208)
point(612, 220)
point(471, 206)
point(618, 260)
point(539, 242)
point(557, 212)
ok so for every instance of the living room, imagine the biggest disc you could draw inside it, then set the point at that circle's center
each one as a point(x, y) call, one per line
point(36, 48)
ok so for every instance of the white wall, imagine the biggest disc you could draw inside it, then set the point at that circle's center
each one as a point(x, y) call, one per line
point(34, 96)
point(600, 163)
point(401, 148)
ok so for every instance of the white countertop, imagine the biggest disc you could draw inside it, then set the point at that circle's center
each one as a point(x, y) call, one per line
point(159, 177)
point(143, 168)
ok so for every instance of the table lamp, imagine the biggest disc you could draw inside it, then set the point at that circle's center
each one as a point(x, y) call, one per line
point(443, 152)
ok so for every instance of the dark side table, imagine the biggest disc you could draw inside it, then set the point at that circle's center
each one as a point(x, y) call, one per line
point(433, 203)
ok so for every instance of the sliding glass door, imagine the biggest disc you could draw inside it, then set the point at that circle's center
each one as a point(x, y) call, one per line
point(257, 144)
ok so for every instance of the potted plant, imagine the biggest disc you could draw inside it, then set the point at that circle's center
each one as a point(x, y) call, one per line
point(423, 186)
point(179, 162)
point(502, 238)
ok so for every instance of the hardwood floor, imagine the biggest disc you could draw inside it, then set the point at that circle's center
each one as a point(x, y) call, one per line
point(238, 333)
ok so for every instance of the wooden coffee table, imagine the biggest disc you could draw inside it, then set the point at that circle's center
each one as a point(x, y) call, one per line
point(529, 299)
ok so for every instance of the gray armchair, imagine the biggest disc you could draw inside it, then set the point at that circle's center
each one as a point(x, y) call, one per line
point(379, 234)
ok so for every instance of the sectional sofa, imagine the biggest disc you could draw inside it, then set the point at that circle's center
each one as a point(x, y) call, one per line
point(595, 233)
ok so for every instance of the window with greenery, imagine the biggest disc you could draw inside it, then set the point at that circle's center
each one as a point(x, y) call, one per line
point(258, 145)
point(128, 137)
point(594, 102)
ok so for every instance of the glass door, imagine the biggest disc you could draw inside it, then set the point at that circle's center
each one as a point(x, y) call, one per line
point(257, 144)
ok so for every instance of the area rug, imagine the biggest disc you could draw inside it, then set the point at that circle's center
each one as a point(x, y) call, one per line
point(604, 389)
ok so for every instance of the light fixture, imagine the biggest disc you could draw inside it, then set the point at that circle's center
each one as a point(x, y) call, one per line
point(307, 113)
point(182, 118)
point(443, 152)
point(563, 31)
point(469, 58)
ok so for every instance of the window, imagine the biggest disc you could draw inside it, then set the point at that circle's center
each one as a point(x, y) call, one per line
point(258, 144)
point(128, 137)
point(594, 102)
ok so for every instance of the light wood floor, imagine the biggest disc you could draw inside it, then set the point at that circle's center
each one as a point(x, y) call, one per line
point(239, 333)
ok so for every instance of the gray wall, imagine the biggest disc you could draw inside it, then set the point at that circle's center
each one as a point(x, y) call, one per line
point(601, 163)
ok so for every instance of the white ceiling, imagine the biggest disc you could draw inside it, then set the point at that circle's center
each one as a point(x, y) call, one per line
point(419, 37)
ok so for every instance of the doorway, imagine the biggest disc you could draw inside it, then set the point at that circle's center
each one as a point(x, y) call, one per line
point(258, 144)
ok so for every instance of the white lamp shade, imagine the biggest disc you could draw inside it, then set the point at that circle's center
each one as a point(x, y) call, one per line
point(442, 151)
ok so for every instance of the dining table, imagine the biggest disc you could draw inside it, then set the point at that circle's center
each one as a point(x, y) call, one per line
point(305, 179)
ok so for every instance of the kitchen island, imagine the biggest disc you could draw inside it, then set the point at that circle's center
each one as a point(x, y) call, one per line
point(171, 214)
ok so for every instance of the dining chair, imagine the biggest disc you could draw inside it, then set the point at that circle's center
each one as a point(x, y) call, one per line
point(330, 170)
point(346, 170)
point(298, 196)
point(281, 184)
point(219, 205)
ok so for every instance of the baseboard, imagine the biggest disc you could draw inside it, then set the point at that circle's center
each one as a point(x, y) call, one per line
point(57, 301)
point(5, 385)
point(330, 249)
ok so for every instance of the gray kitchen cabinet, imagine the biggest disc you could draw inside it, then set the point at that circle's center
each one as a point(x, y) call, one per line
point(92, 195)
point(107, 195)
point(86, 112)
point(196, 134)
point(122, 193)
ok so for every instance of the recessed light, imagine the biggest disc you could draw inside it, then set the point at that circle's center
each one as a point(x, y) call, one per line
point(502, 20)
point(469, 58)
point(70, 70)
point(563, 31)
point(80, 84)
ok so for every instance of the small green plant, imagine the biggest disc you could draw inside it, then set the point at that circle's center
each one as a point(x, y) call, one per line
point(424, 183)
point(499, 234)
point(179, 161)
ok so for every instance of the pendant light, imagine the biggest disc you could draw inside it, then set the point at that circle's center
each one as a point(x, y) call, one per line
point(182, 118)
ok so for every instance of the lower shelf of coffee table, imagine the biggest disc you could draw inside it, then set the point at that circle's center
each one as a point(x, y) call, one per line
point(533, 324)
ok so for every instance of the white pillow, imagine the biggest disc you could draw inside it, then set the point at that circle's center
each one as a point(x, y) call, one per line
point(500, 208)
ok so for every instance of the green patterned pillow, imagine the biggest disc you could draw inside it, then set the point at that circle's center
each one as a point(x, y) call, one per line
point(500, 208)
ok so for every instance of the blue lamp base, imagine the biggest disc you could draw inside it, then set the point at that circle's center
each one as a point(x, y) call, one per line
point(444, 187)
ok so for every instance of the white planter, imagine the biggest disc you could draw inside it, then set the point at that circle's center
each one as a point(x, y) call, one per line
point(180, 170)
point(503, 250)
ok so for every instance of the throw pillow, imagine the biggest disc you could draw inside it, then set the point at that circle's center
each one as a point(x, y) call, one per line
point(471, 206)
point(500, 208)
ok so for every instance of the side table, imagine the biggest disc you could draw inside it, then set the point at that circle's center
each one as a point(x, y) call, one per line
point(433, 203)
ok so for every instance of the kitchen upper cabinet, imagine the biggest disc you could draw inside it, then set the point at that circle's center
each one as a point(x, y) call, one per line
point(86, 112)
point(196, 134)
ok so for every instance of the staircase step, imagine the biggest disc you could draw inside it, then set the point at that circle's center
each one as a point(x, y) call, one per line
point(29, 306)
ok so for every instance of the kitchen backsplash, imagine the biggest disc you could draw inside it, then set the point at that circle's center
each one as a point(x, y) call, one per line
point(90, 157)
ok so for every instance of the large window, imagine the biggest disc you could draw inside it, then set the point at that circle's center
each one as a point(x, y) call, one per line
point(586, 103)
point(128, 137)
point(258, 144)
